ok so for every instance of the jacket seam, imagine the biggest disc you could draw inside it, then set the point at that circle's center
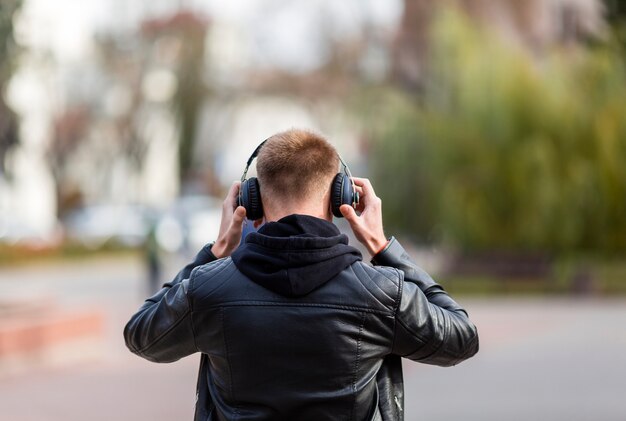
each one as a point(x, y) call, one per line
point(443, 339)
point(400, 288)
point(214, 271)
point(357, 364)
point(439, 346)
point(221, 283)
point(230, 371)
point(280, 304)
point(372, 281)
point(144, 349)
point(395, 310)
point(192, 277)
point(415, 335)
point(388, 268)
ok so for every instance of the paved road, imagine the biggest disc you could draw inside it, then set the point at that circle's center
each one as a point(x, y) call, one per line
point(540, 359)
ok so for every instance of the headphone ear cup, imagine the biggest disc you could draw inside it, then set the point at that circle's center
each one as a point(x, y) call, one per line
point(341, 193)
point(250, 198)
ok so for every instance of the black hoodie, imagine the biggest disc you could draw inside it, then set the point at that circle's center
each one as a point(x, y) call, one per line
point(295, 255)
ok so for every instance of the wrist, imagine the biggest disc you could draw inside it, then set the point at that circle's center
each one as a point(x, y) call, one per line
point(377, 246)
point(219, 249)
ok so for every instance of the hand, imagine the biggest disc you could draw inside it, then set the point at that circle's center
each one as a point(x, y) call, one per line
point(231, 225)
point(368, 226)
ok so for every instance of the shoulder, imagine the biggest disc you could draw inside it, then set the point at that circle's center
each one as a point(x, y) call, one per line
point(383, 282)
point(217, 272)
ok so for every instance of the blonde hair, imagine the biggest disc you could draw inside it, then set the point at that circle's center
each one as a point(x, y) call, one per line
point(295, 165)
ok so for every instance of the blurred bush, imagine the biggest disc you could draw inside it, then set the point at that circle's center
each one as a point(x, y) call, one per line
point(505, 148)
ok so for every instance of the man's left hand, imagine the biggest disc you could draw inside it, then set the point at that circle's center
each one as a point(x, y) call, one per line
point(231, 225)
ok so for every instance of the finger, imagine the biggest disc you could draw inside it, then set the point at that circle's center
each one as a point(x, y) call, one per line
point(231, 197)
point(366, 192)
point(360, 181)
point(239, 215)
point(234, 188)
point(364, 184)
point(350, 214)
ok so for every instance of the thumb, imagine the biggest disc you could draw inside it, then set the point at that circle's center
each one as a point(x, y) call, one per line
point(349, 213)
point(239, 215)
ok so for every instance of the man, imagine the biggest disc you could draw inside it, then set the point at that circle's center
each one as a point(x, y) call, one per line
point(292, 325)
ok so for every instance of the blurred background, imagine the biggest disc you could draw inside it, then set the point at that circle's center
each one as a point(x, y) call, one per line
point(494, 132)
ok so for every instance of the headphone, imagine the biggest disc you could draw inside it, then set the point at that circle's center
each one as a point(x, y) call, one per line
point(343, 191)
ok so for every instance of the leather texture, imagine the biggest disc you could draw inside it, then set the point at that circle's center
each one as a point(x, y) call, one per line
point(332, 354)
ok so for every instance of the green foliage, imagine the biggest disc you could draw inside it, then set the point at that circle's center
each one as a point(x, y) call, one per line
point(615, 10)
point(8, 8)
point(509, 150)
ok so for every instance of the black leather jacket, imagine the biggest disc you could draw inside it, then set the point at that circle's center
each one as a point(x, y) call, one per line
point(309, 349)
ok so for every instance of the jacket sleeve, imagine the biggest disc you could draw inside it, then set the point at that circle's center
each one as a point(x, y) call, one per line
point(162, 330)
point(430, 326)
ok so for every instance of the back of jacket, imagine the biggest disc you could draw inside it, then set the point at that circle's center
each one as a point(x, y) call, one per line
point(314, 357)
point(282, 341)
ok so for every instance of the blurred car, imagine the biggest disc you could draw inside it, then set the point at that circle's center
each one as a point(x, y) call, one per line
point(94, 226)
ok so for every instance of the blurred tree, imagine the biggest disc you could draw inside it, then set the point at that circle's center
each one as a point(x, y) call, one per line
point(505, 152)
point(141, 79)
point(110, 109)
point(615, 11)
point(616, 16)
point(411, 44)
point(70, 128)
point(8, 50)
point(190, 30)
point(191, 92)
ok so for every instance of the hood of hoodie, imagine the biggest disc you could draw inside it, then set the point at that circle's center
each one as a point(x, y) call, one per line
point(295, 255)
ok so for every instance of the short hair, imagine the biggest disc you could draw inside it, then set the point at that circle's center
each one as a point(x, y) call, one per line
point(296, 164)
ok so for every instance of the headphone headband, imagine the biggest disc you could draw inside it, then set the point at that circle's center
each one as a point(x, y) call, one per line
point(355, 199)
point(258, 149)
point(343, 189)
point(254, 155)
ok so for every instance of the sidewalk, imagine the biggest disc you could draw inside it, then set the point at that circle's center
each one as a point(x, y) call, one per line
point(543, 359)
point(109, 383)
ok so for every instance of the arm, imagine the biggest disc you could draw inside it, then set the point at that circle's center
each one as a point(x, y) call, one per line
point(430, 326)
point(162, 329)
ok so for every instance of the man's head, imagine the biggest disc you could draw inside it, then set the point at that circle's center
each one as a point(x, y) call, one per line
point(295, 169)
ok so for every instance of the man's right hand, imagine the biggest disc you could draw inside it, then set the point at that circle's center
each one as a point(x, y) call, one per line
point(368, 225)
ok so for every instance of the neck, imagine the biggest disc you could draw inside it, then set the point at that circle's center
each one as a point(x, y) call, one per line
point(274, 213)
point(317, 205)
